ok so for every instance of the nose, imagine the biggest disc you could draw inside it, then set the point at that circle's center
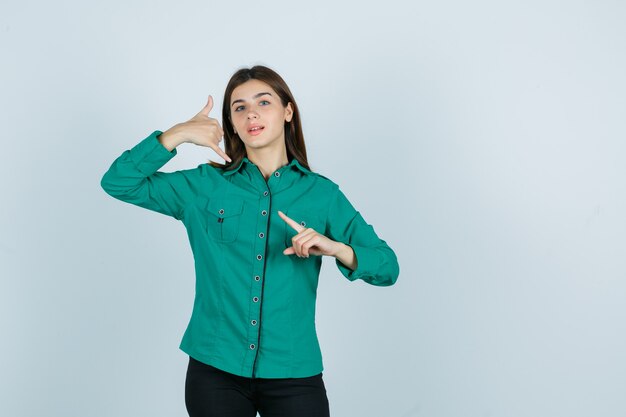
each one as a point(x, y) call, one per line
point(252, 114)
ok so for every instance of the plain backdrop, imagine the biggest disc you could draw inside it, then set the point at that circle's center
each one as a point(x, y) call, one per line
point(484, 141)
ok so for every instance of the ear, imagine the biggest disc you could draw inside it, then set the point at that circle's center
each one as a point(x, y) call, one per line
point(288, 112)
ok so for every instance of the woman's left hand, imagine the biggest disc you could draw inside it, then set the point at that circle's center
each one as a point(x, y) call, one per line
point(308, 241)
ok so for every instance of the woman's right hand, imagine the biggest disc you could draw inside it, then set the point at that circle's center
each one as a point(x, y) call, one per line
point(201, 130)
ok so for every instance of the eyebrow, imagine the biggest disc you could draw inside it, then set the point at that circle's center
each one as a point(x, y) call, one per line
point(255, 96)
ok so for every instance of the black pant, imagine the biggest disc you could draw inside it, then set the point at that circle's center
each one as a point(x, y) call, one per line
point(211, 392)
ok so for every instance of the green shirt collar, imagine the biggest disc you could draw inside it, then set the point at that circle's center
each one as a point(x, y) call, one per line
point(294, 163)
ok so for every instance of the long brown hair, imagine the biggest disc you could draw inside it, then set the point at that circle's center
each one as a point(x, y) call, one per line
point(294, 138)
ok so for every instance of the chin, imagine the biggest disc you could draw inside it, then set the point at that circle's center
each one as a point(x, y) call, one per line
point(255, 143)
point(260, 143)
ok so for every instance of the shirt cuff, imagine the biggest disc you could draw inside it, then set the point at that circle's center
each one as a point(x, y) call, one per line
point(149, 155)
point(367, 262)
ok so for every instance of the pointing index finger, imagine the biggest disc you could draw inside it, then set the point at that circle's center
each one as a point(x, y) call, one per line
point(295, 225)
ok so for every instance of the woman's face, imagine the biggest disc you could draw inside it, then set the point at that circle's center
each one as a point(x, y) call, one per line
point(255, 104)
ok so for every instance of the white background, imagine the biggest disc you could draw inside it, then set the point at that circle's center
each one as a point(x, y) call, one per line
point(484, 141)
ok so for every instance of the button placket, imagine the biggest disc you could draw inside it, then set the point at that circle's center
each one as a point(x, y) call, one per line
point(260, 247)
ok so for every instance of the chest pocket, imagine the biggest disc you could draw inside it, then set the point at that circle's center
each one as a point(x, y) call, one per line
point(305, 219)
point(224, 218)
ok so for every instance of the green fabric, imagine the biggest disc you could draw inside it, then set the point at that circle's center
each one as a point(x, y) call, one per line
point(237, 238)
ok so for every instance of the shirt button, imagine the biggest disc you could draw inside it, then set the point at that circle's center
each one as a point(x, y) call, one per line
point(277, 174)
point(303, 223)
point(264, 212)
point(257, 278)
point(252, 346)
point(266, 193)
point(253, 322)
point(259, 257)
point(221, 211)
point(261, 235)
point(255, 299)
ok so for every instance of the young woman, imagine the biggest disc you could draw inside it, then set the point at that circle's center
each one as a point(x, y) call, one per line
point(258, 226)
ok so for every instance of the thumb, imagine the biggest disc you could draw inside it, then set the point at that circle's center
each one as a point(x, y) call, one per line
point(209, 105)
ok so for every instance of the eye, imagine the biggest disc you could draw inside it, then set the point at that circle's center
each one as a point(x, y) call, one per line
point(265, 101)
point(237, 108)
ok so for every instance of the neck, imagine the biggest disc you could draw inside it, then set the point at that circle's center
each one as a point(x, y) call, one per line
point(268, 160)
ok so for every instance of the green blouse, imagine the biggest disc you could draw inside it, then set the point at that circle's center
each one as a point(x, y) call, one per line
point(254, 307)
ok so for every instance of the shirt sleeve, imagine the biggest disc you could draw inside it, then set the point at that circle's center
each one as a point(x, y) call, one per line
point(377, 263)
point(134, 178)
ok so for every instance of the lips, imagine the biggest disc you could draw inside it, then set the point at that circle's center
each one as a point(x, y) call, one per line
point(255, 128)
